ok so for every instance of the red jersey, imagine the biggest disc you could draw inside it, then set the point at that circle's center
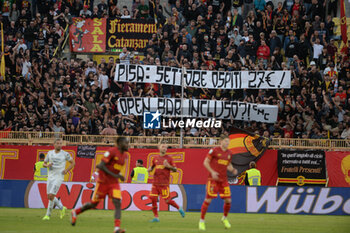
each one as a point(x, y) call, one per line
point(219, 160)
point(114, 162)
point(161, 174)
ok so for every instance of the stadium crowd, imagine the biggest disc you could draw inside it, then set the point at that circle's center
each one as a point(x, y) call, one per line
point(41, 92)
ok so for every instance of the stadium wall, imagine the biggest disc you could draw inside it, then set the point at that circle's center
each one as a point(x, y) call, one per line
point(263, 199)
point(17, 163)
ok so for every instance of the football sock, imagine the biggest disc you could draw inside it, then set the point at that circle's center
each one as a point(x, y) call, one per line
point(204, 209)
point(49, 208)
point(78, 211)
point(173, 203)
point(117, 223)
point(117, 212)
point(58, 203)
point(154, 206)
point(227, 207)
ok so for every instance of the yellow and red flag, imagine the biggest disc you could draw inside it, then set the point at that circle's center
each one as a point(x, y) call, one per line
point(343, 26)
point(246, 147)
point(2, 65)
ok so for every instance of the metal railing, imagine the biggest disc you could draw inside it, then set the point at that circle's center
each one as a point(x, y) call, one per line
point(47, 138)
point(321, 144)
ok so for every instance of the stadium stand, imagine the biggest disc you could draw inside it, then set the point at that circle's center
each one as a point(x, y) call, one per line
point(44, 92)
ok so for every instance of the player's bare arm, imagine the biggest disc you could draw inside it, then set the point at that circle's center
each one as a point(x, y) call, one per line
point(231, 169)
point(213, 173)
point(167, 165)
point(47, 164)
point(102, 166)
point(70, 167)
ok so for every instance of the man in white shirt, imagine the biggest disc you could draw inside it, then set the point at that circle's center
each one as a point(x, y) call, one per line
point(317, 48)
point(56, 162)
point(22, 45)
point(90, 68)
point(85, 12)
point(103, 80)
point(124, 56)
point(26, 68)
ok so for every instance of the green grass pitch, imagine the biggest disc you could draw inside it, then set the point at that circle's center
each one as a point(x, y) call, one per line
point(100, 221)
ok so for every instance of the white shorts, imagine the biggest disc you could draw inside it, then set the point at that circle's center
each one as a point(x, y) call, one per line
point(53, 185)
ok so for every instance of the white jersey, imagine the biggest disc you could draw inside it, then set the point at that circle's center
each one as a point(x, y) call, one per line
point(58, 161)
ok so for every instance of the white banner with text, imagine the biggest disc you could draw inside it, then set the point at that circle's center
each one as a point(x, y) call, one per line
point(199, 108)
point(203, 78)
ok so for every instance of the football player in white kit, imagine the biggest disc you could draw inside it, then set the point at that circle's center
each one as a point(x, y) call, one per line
point(56, 162)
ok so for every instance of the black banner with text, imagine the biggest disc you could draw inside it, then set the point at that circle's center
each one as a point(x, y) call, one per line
point(86, 151)
point(131, 33)
point(301, 168)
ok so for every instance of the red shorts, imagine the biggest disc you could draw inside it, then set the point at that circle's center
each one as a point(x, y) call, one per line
point(213, 188)
point(162, 190)
point(101, 190)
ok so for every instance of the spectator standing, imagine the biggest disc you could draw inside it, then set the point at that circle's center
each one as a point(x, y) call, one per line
point(103, 79)
point(85, 12)
point(237, 19)
point(124, 56)
point(291, 49)
point(102, 7)
point(142, 10)
point(14, 13)
point(263, 53)
point(109, 130)
point(317, 48)
point(274, 41)
point(237, 4)
point(259, 5)
point(251, 47)
point(90, 69)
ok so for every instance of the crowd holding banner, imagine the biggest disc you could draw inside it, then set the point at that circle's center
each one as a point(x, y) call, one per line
point(102, 35)
point(201, 108)
point(203, 78)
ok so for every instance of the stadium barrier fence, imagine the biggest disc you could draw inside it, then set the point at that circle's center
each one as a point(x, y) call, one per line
point(47, 138)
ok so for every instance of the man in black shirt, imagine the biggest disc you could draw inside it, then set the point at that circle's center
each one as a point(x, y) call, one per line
point(23, 18)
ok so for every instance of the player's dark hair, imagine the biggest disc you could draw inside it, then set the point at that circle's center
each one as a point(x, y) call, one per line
point(223, 137)
point(119, 140)
point(41, 156)
point(140, 161)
